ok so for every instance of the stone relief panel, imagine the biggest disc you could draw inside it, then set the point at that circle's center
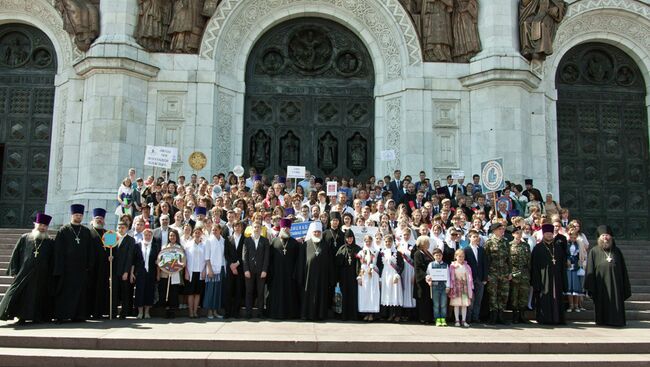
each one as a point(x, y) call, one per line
point(376, 15)
point(446, 113)
point(392, 131)
point(170, 116)
point(446, 147)
point(223, 137)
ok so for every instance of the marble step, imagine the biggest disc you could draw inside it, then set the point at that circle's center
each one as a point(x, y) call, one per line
point(28, 357)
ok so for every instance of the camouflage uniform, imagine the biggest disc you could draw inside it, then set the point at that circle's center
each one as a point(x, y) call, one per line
point(520, 284)
point(497, 253)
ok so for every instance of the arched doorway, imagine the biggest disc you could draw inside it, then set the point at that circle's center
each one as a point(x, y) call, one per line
point(603, 140)
point(27, 70)
point(309, 100)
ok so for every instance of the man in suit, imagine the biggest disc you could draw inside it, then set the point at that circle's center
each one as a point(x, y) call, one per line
point(255, 261)
point(123, 270)
point(396, 186)
point(450, 189)
point(234, 285)
point(475, 256)
point(161, 234)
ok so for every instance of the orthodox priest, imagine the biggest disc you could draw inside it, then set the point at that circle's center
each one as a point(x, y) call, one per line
point(548, 277)
point(606, 280)
point(74, 258)
point(315, 274)
point(98, 287)
point(283, 291)
point(347, 270)
point(28, 297)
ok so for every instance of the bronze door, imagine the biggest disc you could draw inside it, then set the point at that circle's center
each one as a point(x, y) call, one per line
point(27, 69)
point(309, 101)
point(603, 140)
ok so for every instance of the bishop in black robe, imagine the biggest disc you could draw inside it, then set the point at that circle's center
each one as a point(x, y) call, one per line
point(347, 270)
point(29, 297)
point(74, 257)
point(607, 281)
point(283, 300)
point(548, 277)
point(315, 275)
point(98, 287)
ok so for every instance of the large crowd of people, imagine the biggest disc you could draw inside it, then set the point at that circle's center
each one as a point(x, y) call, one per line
point(393, 249)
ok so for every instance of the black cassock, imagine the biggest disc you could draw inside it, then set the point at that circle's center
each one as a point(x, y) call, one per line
point(347, 270)
point(29, 296)
point(283, 300)
point(98, 287)
point(549, 281)
point(608, 284)
point(315, 277)
point(72, 262)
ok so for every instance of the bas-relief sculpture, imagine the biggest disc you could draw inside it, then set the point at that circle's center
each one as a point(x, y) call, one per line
point(538, 24)
point(173, 26)
point(448, 29)
point(80, 20)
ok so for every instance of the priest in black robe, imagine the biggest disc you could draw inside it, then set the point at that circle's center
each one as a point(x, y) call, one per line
point(333, 237)
point(98, 287)
point(315, 274)
point(29, 297)
point(347, 270)
point(74, 258)
point(548, 277)
point(283, 290)
point(607, 281)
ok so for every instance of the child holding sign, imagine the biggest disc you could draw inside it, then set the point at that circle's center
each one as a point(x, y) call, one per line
point(438, 280)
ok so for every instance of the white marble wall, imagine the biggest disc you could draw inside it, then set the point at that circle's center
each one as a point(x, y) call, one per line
point(117, 98)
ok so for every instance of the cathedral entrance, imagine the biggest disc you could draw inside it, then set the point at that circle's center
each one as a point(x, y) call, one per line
point(27, 69)
point(309, 101)
point(603, 140)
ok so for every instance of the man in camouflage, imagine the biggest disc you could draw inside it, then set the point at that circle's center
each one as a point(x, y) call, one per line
point(497, 253)
point(520, 284)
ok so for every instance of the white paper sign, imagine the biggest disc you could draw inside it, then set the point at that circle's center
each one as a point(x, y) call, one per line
point(362, 231)
point(159, 156)
point(332, 188)
point(295, 172)
point(388, 155)
point(439, 274)
point(456, 174)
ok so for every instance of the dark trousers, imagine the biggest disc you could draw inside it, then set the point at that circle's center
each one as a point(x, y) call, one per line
point(235, 290)
point(254, 290)
point(122, 296)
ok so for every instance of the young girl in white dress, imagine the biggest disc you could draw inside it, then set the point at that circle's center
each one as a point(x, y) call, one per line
point(368, 279)
point(391, 265)
point(406, 246)
point(462, 287)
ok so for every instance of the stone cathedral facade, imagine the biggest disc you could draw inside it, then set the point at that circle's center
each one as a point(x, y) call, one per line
point(85, 85)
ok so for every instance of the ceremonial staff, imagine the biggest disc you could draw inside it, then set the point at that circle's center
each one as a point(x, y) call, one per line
point(109, 240)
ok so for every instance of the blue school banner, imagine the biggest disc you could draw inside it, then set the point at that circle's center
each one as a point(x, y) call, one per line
point(299, 230)
point(492, 176)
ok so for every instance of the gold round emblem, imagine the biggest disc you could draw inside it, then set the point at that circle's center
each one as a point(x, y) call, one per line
point(198, 161)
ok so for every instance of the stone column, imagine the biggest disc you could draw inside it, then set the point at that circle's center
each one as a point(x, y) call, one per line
point(113, 130)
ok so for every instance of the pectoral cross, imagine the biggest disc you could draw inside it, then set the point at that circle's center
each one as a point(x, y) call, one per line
point(78, 240)
point(36, 253)
point(349, 260)
point(284, 250)
point(609, 259)
point(553, 261)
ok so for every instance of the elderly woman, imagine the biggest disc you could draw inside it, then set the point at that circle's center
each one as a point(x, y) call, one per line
point(421, 290)
point(552, 206)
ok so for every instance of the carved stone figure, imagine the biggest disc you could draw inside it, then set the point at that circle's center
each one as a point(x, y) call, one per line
point(437, 30)
point(289, 150)
point(80, 20)
point(414, 9)
point(260, 150)
point(153, 22)
point(310, 50)
point(327, 153)
point(467, 42)
point(209, 7)
point(16, 52)
point(357, 153)
point(538, 24)
point(186, 28)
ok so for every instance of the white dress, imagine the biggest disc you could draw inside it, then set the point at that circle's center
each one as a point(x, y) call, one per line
point(408, 275)
point(368, 291)
point(391, 292)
